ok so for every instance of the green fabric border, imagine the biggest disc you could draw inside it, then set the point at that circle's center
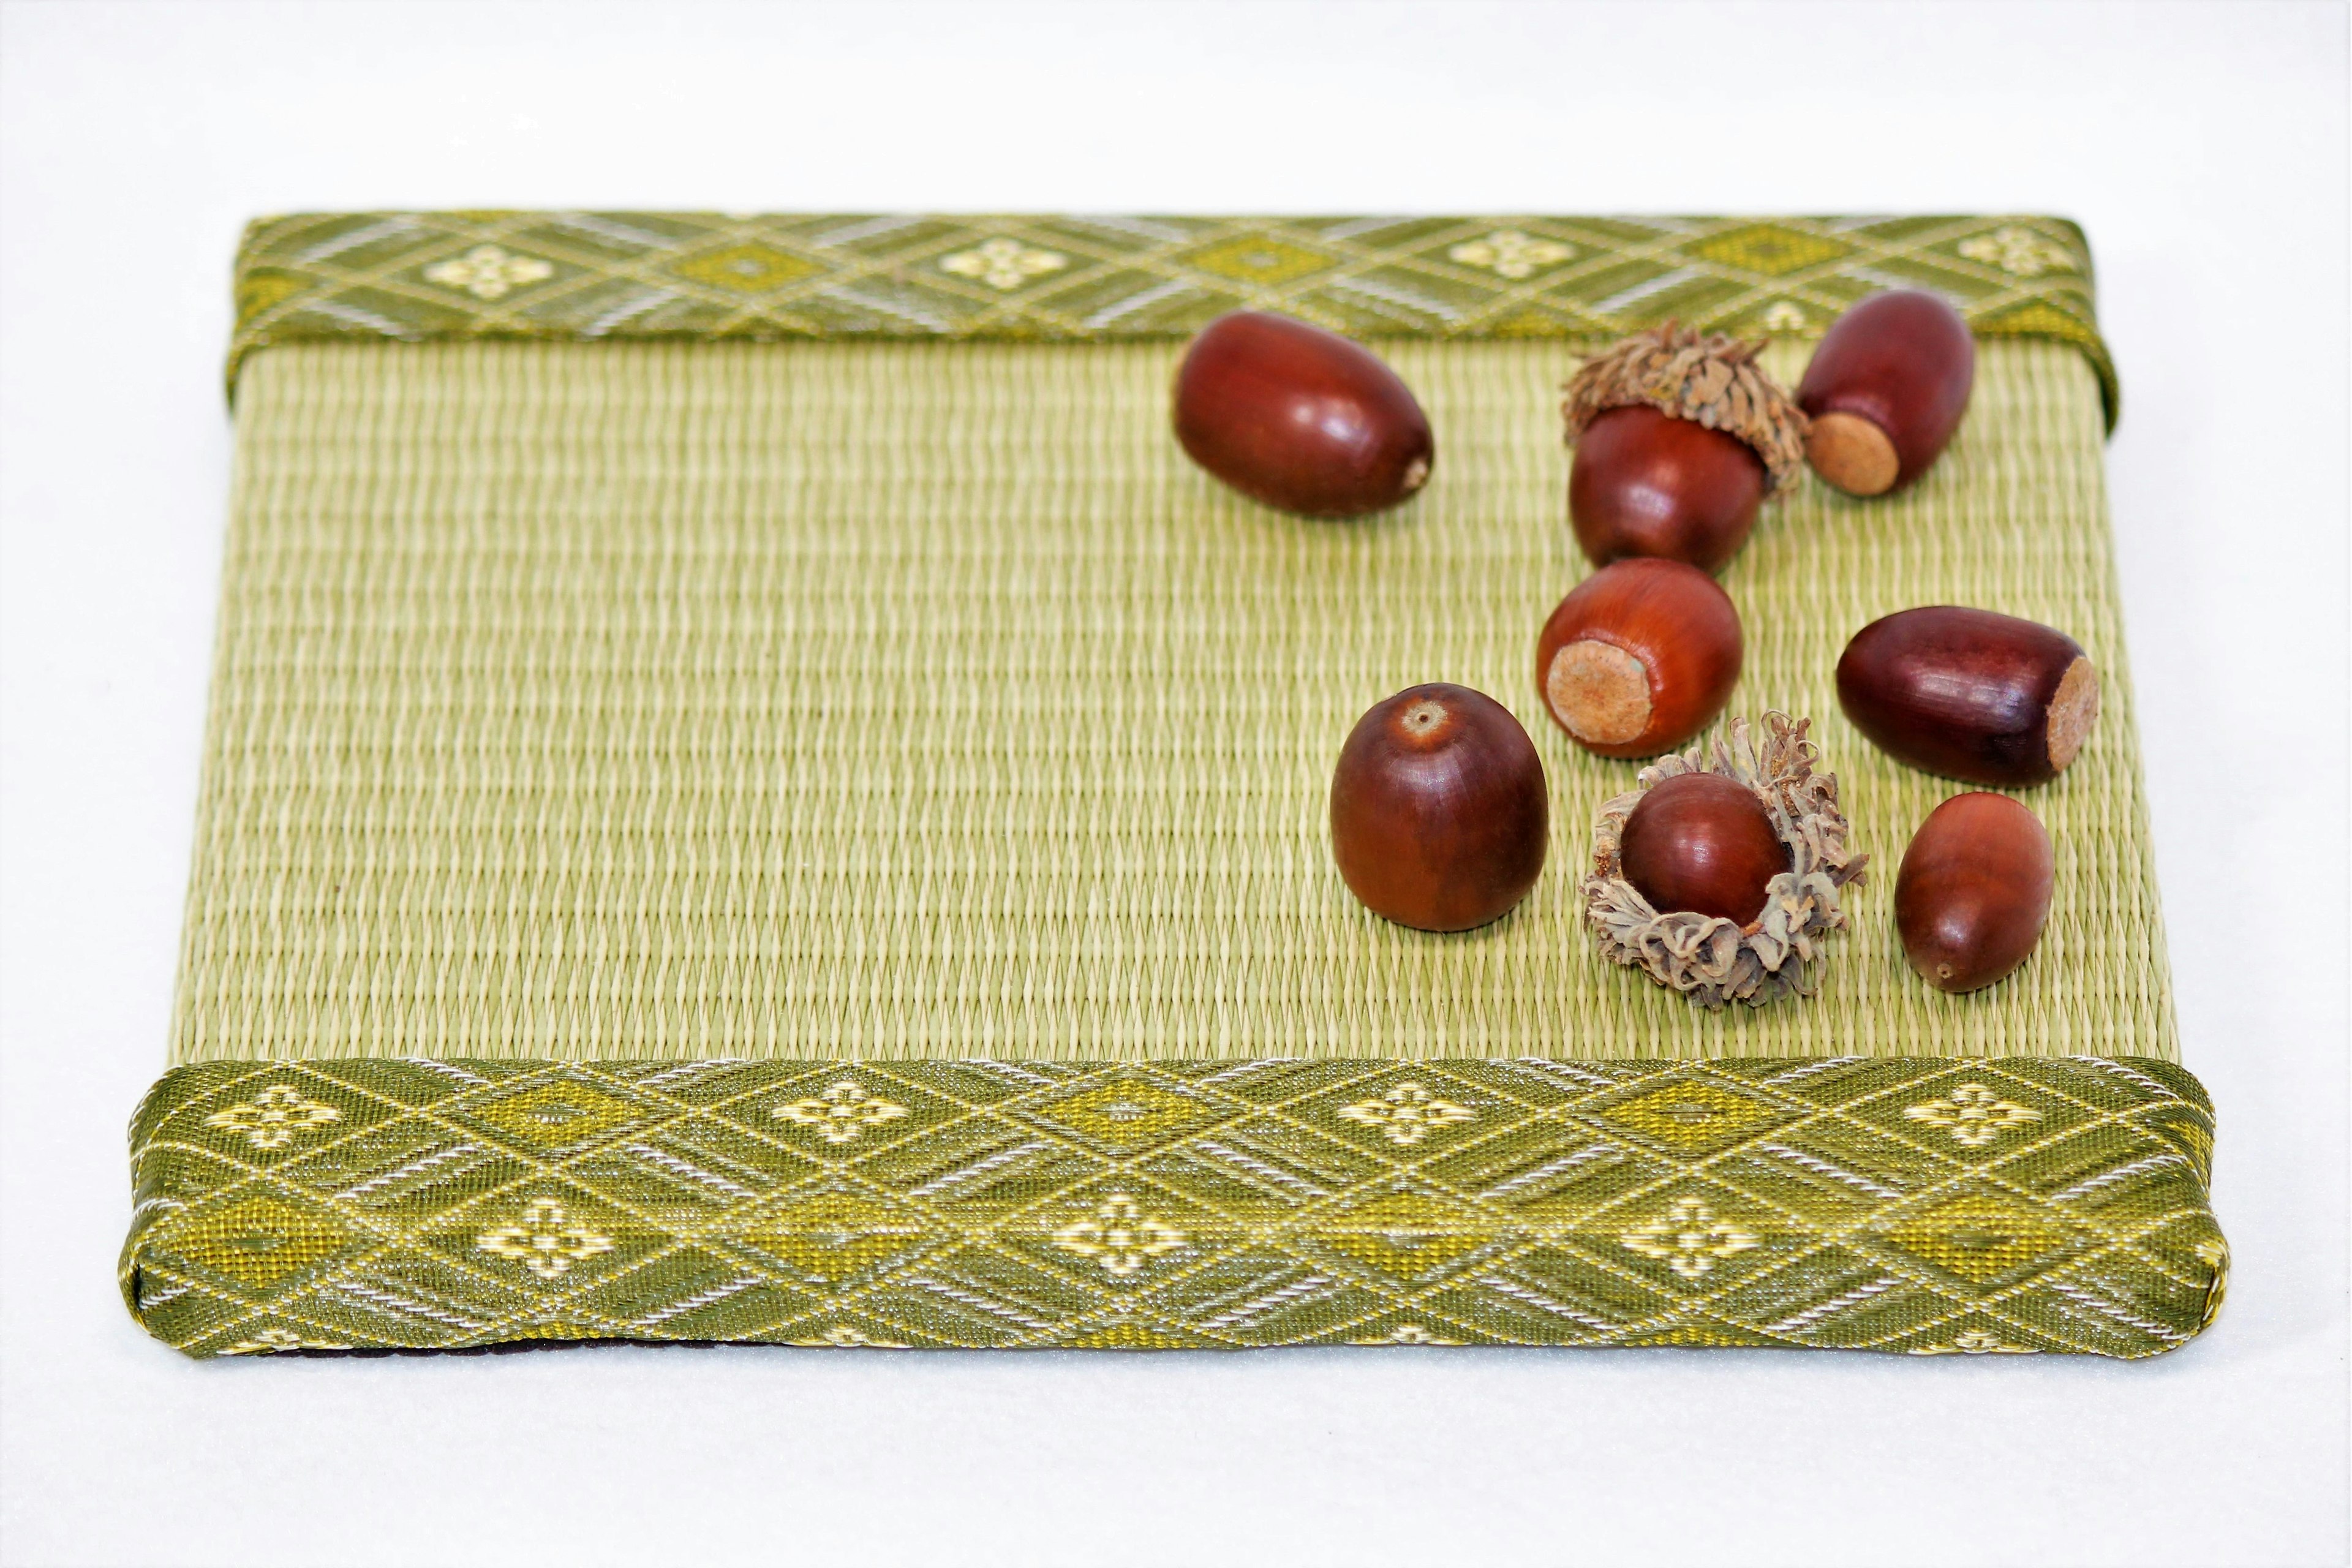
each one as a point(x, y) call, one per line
point(1925, 1205)
point(422, 277)
point(1917, 1205)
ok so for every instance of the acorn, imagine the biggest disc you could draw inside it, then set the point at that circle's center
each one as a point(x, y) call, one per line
point(1679, 439)
point(1703, 842)
point(1974, 891)
point(1439, 813)
point(1886, 390)
point(1639, 657)
point(1300, 418)
point(1718, 875)
point(1971, 694)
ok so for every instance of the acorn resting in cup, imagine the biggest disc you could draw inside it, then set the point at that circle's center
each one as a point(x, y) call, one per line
point(1679, 440)
point(1718, 875)
point(1439, 812)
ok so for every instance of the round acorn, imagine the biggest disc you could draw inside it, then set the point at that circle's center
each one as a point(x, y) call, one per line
point(1639, 657)
point(1300, 418)
point(1679, 439)
point(1439, 812)
point(1704, 843)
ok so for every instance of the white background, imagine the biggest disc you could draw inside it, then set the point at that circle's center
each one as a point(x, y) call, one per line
point(2203, 148)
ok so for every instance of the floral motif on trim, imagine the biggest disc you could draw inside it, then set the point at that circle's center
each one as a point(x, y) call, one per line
point(1119, 1237)
point(488, 272)
point(1407, 1113)
point(546, 1240)
point(2019, 252)
point(1507, 253)
point(842, 1112)
point(1004, 264)
point(1973, 1114)
point(273, 1117)
point(1689, 1238)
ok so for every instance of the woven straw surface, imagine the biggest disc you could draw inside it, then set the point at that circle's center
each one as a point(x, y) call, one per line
point(893, 700)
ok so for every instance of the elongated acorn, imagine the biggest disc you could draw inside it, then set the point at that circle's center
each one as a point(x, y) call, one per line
point(1971, 694)
point(1886, 390)
point(1974, 891)
point(1300, 418)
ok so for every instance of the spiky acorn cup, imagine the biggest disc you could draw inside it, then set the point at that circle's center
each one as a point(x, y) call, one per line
point(1680, 438)
point(1706, 378)
point(1713, 959)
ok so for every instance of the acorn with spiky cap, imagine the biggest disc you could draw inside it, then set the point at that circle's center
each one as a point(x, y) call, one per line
point(1717, 875)
point(1680, 438)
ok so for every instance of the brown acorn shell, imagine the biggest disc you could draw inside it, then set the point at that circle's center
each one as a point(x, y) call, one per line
point(1299, 418)
point(1711, 960)
point(1710, 380)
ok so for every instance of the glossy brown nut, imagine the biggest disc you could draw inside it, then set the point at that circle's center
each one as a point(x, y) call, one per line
point(1971, 694)
point(1646, 483)
point(1704, 843)
point(1438, 809)
point(1299, 418)
point(1974, 891)
point(1886, 390)
point(1639, 657)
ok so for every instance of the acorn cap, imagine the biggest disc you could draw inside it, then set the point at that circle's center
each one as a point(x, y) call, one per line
point(1712, 960)
point(1710, 380)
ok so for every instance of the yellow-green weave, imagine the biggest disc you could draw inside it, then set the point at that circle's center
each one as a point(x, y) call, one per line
point(1910, 1206)
point(753, 793)
point(685, 277)
point(646, 701)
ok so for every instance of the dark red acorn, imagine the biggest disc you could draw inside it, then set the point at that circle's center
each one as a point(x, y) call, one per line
point(1704, 843)
point(1971, 694)
point(1639, 657)
point(1439, 813)
point(1679, 436)
point(1300, 418)
point(1646, 483)
point(1974, 891)
point(1886, 390)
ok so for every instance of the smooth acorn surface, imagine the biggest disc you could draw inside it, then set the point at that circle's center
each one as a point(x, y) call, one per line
point(1639, 657)
point(1702, 842)
point(1886, 390)
point(1971, 694)
point(1439, 811)
point(1300, 418)
point(1974, 891)
point(1646, 483)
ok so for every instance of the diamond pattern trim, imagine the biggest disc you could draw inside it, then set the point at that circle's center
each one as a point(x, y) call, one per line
point(414, 276)
point(1135, 1206)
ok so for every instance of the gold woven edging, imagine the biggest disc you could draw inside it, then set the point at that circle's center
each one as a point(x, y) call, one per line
point(1925, 1205)
point(709, 277)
